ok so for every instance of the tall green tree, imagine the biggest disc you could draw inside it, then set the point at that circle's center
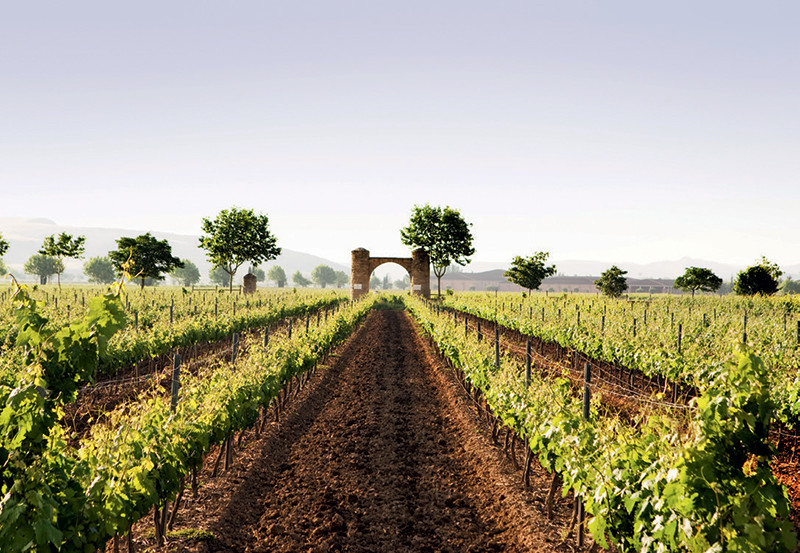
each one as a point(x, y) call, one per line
point(100, 270)
point(529, 272)
point(322, 275)
point(219, 276)
point(187, 275)
point(698, 278)
point(443, 234)
point(374, 282)
point(277, 275)
point(612, 282)
point(43, 266)
point(300, 280)
point(3, 268)
point(3, 246)
point(761, 279)
point(63, 246)
point(144, 257)
point(237, 236)
point(342, 279)
point(789, 286)
point(403, 283)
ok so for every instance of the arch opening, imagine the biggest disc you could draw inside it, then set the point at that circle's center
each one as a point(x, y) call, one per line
point(363, 265)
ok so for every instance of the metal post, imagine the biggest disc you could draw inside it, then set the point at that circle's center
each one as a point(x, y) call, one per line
point(235, 348)
point(480, 336)
point(587, 396)
point(496, 347)
point(176, 381)
point(527, 362)
point(680, 331)
point(266, 336)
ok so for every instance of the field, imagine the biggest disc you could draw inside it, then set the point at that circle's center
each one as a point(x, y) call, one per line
point(288, 421)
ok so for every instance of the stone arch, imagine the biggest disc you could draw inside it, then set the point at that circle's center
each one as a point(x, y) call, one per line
point(362, 266)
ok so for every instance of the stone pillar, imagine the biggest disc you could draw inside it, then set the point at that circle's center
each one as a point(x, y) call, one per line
point(359, 273)
point(420, 274)
point(249, 283)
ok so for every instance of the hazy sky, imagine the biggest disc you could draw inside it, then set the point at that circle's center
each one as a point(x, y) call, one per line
point(615, 130)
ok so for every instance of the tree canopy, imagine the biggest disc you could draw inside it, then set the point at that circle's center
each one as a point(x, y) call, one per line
point(3, 246)
point(144, 257)
point(529, 272)
point(790, 286)
point(300, 280)
point(100, 270)
point(63, 246)
point(219, 276)
point(698, 278)
point(277, 275)
point(612, 282)
point(759, 279)
point(237, 236)
point(342, 279)
point(43, 266)
point(187, 275)
point(443, 234)
point(322, 275)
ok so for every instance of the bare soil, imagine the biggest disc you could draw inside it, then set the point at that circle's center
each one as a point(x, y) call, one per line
point(381, 452)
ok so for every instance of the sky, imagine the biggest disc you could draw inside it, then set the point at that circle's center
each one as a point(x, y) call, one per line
point(617, 130)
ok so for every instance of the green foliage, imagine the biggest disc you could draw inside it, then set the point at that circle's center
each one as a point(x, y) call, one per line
point(322, 275)
point(277, 275)
point(787, 287)
point(700, 484)
point(144, 257)
point(761, 279)
point(236, 236)
point(443, 234)
point(43, 266)
point(100, 270)
point(258, 273)
point(375, 283)
point(64, 246)
point(3, 268)
point(300, 280)
point(698, 278)
point(612, 282)
point(34, 483)
point(219, 276)
point(404, 283)
point(3, 246)
point(342, 279)
point(529, 272)
point(187, 275)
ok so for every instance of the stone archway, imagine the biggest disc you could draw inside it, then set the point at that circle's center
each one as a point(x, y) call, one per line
point(362, 266)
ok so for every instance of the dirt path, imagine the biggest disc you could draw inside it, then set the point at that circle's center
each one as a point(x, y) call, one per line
point(381, 452)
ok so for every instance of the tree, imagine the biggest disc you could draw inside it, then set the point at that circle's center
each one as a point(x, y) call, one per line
point(529, 272)
point(63, 246)
point(144, 257)
point(219, 276)
point(403, 284)
point(759, 279)
point(3, 269)
point(387, 282)
point(323, 275)
point(374, 283)
point(277, 275)
point(698, 278)
point(443, 234)
point(187, 275)
point(612, 282)
point(100, 270)
point(43, 266)
point(341, 279)
point(236, 236)
point(790, 286)
point(3, 246)
point(258, 273)
point(300, 280)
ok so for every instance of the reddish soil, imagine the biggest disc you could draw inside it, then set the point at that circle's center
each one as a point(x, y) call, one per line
point(382, 451)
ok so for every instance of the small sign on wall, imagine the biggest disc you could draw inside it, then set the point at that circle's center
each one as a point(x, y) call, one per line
point(418, 287)
point(356, 287)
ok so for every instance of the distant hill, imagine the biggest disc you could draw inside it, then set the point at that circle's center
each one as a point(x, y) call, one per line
point(25, 237)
